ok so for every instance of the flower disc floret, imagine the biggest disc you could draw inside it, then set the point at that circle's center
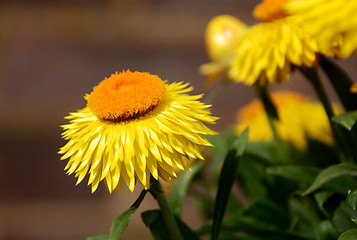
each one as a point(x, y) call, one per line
point(270, 10)
point(126, 95)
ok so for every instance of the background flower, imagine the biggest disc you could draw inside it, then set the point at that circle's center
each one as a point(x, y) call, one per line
point(299, 117)
point(267, 51)
point(221, 37)
point(135, 126)
point(332, 22)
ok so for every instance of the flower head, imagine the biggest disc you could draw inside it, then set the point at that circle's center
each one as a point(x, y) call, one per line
point(222, 34)
point(268, 50)
point(332, 22)
point(135, 125)
point(293, 109)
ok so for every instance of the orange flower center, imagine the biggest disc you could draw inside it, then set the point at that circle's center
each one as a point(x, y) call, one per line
point(269, 10)
point(126, 95)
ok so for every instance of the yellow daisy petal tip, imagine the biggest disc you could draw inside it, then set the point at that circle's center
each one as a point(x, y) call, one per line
point(140, 136)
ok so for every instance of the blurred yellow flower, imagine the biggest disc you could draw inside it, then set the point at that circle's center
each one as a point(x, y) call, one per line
point(221, 37)
point(267, 50)
point(332, 22)
point(299, 117)
point(135, 125)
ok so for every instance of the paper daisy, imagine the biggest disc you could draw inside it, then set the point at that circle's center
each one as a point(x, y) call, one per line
point(268, 50)
point(135, 125)
point(293, 109)
point(221, 38)
point(332, 22)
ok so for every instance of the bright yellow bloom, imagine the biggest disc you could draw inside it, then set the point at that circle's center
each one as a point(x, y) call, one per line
point(221, 37)
point(299, 117)
point(267, 50)
point(135, 125)
point(332, 22)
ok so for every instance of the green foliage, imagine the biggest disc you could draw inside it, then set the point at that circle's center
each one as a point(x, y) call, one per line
point(98, 237)
point(349, 235)
point(122, 221)
point(180, 187)
point(153, 219)
point(226, 180)
point(347, 120)
point(330, 174)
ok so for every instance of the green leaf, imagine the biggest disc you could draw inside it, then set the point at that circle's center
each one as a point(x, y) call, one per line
point(226, 180)
point(327, 231)
point(343, 216)
point(349, 235)
point(352, 199)
point(180, 187)
point(347, 120)
point(331, 173)
point(252, 229)
point(122, 221)
point(270, 213)
point(153, 219)
point(98, 237)
point(341, 82)
point(299, 174)
point(322, 197)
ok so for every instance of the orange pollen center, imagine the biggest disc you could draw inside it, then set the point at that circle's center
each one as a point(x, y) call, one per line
point(126, 95)
point(269, 10)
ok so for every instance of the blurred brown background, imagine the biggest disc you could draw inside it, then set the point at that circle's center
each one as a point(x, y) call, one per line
point(53, 52)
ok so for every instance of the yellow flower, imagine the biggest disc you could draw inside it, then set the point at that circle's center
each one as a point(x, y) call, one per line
point(267, 50)
point(298, 117)
point(332, 22)
point(221, 37)
point(135, 125)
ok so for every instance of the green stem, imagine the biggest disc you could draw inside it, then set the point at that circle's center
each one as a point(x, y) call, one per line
point(269, 107)
point(170, 222)
point(312, 75)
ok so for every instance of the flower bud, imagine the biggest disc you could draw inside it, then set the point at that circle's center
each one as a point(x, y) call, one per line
point(222, 33)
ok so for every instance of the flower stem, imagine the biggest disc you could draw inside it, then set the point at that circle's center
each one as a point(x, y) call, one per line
point(312, 75)
point(269, 107)
point(158, 194)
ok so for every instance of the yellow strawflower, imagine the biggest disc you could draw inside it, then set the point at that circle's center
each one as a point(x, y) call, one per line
point(135, 125)
point(267, 50)
point(221, 37)
point(299, 117)
point(332, 22)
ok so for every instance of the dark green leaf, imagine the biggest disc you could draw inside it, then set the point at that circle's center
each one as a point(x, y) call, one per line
point(352, 199)
point(226, 180)
point(331, 173)
point(122, 221)
point(153, 219)
point(341, 82)
point(270, 213)
point(343, 216)
point(327, 231)
point(180, 187)
point(299, 174)
point(322, 197)
point(98, 237)
point(253, 230)
point(349, 235)
point(346, 120)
